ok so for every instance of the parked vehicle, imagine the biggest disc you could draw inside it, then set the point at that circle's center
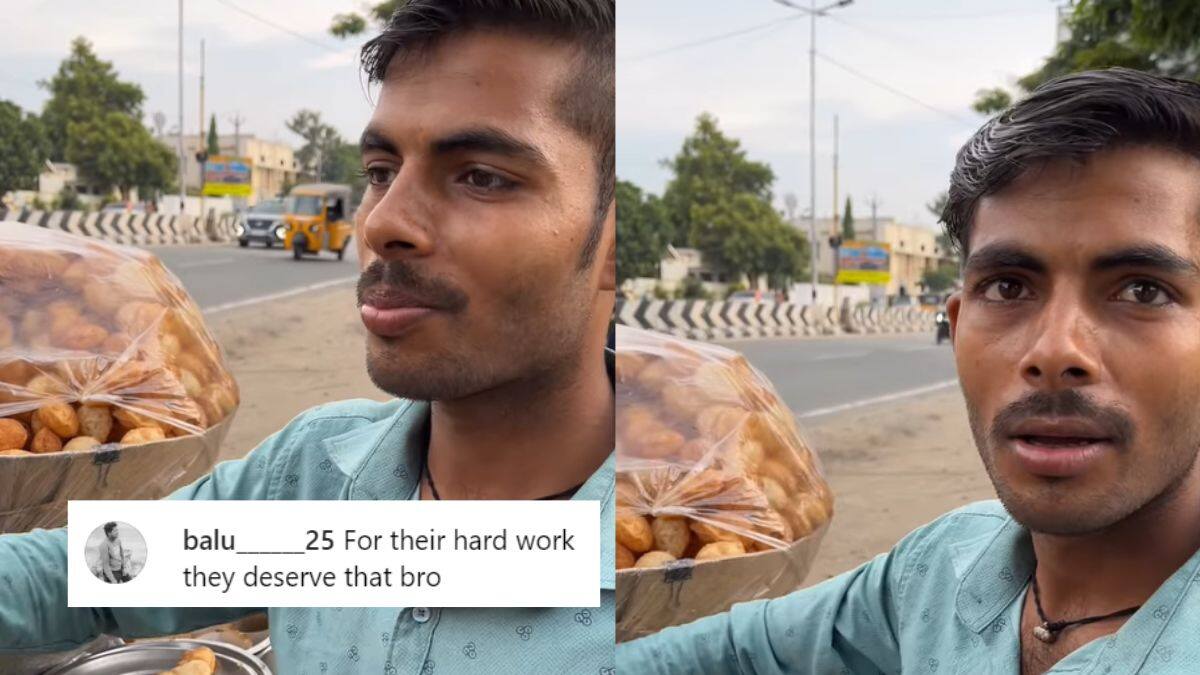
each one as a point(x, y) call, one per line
point(262, 223)
point(317, 217)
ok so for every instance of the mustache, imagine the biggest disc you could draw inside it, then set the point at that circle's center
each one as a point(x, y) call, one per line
point(1068, 403)
point(402, 278)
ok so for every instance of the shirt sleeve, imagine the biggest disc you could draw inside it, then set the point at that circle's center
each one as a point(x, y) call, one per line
point(33, 570)
point(848, 624)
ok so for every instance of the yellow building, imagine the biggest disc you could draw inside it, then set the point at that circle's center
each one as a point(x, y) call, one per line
point(273, 164)
point(914, 249)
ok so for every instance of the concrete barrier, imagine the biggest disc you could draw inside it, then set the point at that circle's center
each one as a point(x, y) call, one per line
point(139, 229)
point(709, 320)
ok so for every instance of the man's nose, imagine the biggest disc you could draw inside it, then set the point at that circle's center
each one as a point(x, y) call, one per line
point(1063, 353)
point(401, 223)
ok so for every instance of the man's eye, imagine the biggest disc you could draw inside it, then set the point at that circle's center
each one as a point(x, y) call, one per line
point(1005, 290)
point(379, 176)
point(486, 180)
point(1145, 293)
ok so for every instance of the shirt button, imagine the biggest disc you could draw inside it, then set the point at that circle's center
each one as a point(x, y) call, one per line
point(420, 614)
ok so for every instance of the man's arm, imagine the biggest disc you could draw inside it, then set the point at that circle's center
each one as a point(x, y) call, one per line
point(847, 624)
point(33, 569)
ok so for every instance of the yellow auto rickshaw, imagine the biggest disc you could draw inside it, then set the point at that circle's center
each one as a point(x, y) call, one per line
point(316, 218)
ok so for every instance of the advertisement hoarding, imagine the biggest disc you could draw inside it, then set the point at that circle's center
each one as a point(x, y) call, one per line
point(864, 262)
point(226, 176)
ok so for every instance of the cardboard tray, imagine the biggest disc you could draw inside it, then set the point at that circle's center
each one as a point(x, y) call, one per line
point(649, 600)
point(34, 489)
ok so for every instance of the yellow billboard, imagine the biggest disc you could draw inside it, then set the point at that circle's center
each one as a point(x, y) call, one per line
point(864, 262)
point(227, 176)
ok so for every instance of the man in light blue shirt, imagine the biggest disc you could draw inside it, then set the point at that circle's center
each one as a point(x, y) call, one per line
point(1077, 341)
point(487, 240)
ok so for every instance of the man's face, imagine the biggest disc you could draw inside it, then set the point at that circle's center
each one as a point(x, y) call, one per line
point(112, 536)
point(1077, 337)
point(478, 204)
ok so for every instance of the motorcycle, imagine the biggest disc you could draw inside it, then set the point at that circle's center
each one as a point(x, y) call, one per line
point(942, 320)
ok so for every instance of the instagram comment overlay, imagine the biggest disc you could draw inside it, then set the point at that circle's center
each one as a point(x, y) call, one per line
point(333, 554)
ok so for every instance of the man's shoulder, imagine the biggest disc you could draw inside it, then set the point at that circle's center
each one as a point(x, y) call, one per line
point(949, 536)
point(331, 419)
point(969, 522)
point(330, 422)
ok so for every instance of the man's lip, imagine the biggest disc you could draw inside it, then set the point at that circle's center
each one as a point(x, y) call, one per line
point(1060, 428)
point(1058, 461)
point(394, 321)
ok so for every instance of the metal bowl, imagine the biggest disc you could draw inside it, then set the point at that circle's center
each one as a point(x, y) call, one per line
point(151, 658)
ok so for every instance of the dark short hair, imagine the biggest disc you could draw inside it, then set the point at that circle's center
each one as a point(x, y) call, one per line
point(586, 103)
point(1070, 118)
point(108, 528)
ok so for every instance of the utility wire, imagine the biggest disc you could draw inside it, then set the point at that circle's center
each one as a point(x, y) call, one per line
point(276, 26)
point(712, 38)
point(883, 85)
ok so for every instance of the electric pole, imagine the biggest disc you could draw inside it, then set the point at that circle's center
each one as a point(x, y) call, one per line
point(813, 12)
point(202, 153)
point(835, 238)
point(179, 137)
point(236, 120)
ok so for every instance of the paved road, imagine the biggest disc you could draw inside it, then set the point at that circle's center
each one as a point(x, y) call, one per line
point(819, 376)
point(220, 276)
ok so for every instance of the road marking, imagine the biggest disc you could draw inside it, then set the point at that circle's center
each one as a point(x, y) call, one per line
point(820, 412)
point(204, 263)
point(217, 309)
point(835, 357)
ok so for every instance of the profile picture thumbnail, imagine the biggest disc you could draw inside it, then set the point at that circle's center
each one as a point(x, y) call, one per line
point(115, 552)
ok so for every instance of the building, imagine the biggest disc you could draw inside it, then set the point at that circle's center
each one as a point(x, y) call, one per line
point(274, 165)
point(914, 249)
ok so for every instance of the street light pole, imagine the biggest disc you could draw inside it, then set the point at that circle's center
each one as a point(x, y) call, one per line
point(813, 13)
point(812, 142)
point(179, 136)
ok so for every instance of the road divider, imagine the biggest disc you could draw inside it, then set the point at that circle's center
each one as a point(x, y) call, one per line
point(714, 320)
point(136, 229)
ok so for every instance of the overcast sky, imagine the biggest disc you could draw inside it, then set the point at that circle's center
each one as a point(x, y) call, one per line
point(263, 72)
point(936, 51)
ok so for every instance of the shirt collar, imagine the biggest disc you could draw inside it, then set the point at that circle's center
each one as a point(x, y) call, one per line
point(993, 570)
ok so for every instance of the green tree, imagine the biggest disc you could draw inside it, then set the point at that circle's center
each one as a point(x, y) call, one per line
point(214, 144)
point(116, 151)
point(85, 89)
point(1158, 36)
point(346, 25)
point(23, 148)
point(640, 218)
point(848, 233)
point(709, 170)
point(719, 201)
point(940, 279)
point(322, 144)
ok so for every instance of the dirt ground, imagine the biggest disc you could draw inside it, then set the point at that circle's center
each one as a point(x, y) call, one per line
point(892, 467)
point(290, 356)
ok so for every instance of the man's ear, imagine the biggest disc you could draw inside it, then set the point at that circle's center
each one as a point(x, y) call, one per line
point(608, 244)
point(953, 305)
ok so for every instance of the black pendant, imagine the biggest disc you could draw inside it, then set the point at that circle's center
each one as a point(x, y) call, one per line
point(1044, 634)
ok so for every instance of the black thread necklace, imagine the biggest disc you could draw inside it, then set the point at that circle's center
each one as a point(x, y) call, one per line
point(1048, 630)
point(428, 475)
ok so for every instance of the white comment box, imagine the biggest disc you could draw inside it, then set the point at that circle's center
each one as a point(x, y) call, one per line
point(339, 553)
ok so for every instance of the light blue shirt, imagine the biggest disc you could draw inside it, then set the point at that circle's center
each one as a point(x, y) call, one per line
point(349, 450)
point(947, 599)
